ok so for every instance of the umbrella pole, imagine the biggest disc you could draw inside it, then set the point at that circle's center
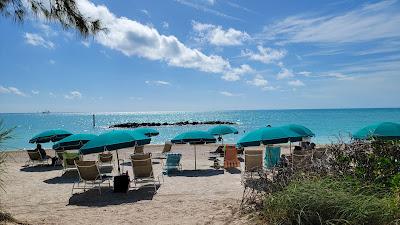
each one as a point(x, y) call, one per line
point(119, 169)
point(195, 168)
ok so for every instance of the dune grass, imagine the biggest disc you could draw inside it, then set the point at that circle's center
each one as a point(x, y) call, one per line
point(331, 201)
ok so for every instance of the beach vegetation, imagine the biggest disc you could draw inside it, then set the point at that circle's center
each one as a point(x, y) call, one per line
point(5, 134)
point(350, 183)
point(65, 12)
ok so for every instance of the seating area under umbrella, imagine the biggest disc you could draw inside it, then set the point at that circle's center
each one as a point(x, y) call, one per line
point(194, 138)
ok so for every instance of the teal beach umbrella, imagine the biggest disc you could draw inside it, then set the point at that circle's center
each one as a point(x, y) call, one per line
point(384, 130)
point(150, 132)
point(299, 132)
point(75, 141)
point(222, 130)
point(194, 138)
point(50, 135)
point(265, 136)
point(114, 140)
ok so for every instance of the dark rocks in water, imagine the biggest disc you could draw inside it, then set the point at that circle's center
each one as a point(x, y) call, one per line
point(182, 123)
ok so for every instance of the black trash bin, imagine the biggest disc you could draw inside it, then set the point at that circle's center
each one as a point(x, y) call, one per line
point(121, 183)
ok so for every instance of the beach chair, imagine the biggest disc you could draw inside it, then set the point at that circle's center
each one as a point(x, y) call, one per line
point(173, 163)
point(230, 157)
point(106, 159)
point(59, 154)
point(139, 149)
point(167, 148)
point(272, 156)
point(36, 157)
point(253, 161)
point(89, 174)
point(69, 159)
point(142, 169)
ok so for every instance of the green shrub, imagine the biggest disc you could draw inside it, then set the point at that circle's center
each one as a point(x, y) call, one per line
point(331, 201)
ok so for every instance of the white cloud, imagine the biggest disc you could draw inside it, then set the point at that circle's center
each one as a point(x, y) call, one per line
point(216, 35)
point(305, 73)
point(270, 88)
point(85, 43)
point(296, 83)
point(203, 7)
point(165, 24)
point(35, 92)
point(51, 94)
point(229, 94)
point(52, 61)
point(157, 82)
point(135, 39)
point(264, 55)
point(258, 81)
point(284, 73)
point(37, 40)
point(235, 73)
point(369, 22)
point(73, 95)
point(12, 90)
point(145, 12)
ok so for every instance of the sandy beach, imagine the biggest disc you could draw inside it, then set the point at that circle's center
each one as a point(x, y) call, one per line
point(41, 195)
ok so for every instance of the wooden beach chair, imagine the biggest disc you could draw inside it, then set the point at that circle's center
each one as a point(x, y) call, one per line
point(139, 149)
point(253, 160)
point(142, 169)
point(106, 159)
point(36, 157)
point(230, 157)
point(167, 148)
point(89, 174)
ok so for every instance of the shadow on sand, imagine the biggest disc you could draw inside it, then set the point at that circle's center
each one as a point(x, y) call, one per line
point(233, 170)
point(196, 173)
point(92, 198)
point(40, 168)
point(71, 176)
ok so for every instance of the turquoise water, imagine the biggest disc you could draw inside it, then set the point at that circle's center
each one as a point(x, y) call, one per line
point(325, 123)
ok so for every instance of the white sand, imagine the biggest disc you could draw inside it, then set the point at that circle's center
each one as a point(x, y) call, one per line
point(40, 195)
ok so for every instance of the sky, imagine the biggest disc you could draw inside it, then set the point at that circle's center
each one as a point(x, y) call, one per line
point(187, 55)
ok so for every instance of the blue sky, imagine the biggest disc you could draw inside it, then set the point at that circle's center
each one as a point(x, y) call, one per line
point(206, 55)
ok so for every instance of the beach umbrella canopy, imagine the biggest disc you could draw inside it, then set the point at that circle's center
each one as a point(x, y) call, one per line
point(75, 141)
point(50, 135)
point(147, 131)
point(114, 140)
point(299, 131)
point(384, 130)
point(266, 135)
point(194, 138)
point(222, 130)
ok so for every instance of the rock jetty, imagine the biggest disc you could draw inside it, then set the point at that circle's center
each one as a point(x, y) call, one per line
point(182, 123)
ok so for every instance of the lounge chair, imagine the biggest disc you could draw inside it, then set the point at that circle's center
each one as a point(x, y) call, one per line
point(89, 174)
point(173, 163)
point(253, 160)
point(272, 156)
point(231, 158)
point(105, 159)
point(139, 149)
point(167, 148)
point(69, 159)
point(59, 154)
point(142, 169)
point(36, 157)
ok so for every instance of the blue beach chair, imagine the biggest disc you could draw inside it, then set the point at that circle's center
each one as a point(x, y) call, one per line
point(272, 156)
point(173, 163)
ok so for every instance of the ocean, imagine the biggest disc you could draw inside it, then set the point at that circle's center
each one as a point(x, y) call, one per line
point(327, 124)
